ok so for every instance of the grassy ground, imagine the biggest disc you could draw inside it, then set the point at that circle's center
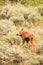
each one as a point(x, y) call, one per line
point(28, 2)
point(2, 3)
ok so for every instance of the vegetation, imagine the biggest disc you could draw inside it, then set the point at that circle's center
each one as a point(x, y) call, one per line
point(30, 2)
point(27, 15)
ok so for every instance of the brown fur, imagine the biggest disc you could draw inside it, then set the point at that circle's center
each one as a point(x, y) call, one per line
point(28, 37)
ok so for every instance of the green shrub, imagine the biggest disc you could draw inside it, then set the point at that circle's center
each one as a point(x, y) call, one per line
point(40, 10)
